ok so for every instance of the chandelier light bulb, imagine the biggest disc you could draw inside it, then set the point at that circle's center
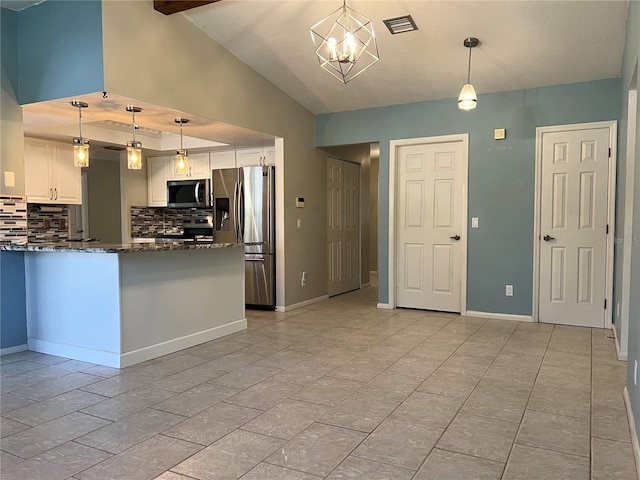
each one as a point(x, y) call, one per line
point(345, 43)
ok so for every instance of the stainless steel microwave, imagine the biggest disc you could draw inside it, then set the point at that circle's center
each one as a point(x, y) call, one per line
point(189, 193)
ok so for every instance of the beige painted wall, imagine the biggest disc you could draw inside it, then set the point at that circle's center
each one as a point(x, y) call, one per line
point(168, 61)
point(103, 190)
point(133, 192)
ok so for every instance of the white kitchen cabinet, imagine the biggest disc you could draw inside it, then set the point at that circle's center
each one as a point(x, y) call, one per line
point(223, 159)
point(269, 155)
point(50, 176)
point(251, 157)
point(157, 176)
point(198, 167)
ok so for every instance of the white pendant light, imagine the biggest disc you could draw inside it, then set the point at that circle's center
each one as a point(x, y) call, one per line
point(134, 148)
point(182, 157)
point(80, 144)
point(345, 43)
point(468, 100)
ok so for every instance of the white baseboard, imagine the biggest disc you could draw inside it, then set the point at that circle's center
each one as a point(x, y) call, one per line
point(16, 349)
point(117, 360)
point(288, 308)
point(499, 316)
point(176, 344)
point(100, 357)
point(384, 306)
point(632, 428)
point(621, 355)
point(365, 285)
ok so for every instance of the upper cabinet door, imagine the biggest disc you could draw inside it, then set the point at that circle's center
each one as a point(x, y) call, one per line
point(249, 157)
point(66, 178)
point(37, 170)
point(198, 168)
point(199, 165)
point(225, 159)
point(50, 176)
point(269, 155)
point(157, 176)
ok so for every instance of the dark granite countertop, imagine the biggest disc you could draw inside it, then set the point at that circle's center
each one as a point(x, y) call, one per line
point(98, 247)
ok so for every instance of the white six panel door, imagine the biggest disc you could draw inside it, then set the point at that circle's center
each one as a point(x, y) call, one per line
point(429, 218)
point(335, 227)
point(343, 226)
point(573, 221)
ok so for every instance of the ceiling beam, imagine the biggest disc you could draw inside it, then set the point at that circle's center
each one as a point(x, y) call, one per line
point(169, 7)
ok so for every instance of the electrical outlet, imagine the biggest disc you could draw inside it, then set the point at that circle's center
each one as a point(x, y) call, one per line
point(635, 372)
point(509, 291)
point(299, 223)
point(303, 279)
point(618, 310)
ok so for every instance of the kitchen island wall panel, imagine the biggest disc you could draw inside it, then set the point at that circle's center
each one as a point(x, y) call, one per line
point(175, 297)
point(121, 304)
point(71, 310)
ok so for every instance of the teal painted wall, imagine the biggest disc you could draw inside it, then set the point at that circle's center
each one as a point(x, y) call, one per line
point(60, 50)
point(629, 62)
point(501, 173)
point(9, 47)
point(13, 313)
point(13, 316)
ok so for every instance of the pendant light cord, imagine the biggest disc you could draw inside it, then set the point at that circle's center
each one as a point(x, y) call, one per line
point(133, 125)
point(181, 134)
point(80, 119)
point(469, 68)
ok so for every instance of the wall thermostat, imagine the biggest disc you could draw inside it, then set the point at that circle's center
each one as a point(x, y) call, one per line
point(500, 133)
point(300, 202)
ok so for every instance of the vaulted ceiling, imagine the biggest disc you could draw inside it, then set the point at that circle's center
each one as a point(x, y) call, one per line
point(524, 44)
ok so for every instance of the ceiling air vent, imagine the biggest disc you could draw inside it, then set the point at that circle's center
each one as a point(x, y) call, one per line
point(400, 24)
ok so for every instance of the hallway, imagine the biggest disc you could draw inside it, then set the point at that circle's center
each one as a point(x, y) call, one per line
point(336, 390)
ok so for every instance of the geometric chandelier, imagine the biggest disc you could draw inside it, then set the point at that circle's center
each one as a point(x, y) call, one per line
point(345, 43)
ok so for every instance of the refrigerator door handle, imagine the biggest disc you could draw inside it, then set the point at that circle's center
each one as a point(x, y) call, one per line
point(270, 246)
point(241, 211)
point(235, 210)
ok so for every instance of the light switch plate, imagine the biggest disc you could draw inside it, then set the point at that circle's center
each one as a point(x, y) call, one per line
point(9, 179)
point(500, 133)
point(474, 222)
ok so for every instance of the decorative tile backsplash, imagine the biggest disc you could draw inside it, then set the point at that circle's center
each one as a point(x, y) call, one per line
point(147, 222)
point(13, 219)
point(48, 223)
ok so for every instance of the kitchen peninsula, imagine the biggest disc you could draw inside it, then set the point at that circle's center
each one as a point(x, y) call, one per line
point(118, 305)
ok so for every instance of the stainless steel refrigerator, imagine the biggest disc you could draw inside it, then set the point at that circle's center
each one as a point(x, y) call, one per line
point(243, 206)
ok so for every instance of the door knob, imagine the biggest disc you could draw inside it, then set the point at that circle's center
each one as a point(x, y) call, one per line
point(546, 238)
point(456, 237)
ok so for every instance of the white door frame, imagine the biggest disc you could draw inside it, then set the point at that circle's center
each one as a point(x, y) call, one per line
point(394, 146)
point(611, 199)
point(625, 297)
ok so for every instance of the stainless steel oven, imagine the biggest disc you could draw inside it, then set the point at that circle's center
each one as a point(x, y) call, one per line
point(189, 193)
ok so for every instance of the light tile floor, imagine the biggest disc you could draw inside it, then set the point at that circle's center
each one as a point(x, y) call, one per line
point(337, 390)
